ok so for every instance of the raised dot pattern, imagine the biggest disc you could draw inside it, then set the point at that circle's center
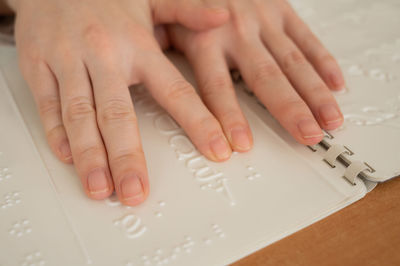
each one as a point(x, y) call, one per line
point(21, 228)
point(11, 199)
point(5, 174)
point(34, 259)
point(253, 174)
point(162, 257)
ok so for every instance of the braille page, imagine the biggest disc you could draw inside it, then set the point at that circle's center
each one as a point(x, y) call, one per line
point(34, 227)
point(198, 212)
point(364, 37)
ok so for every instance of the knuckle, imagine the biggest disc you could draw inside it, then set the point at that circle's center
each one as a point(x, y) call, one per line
point(127, 157)
point(290, 107)
point(293, 59)
point(264, 71)
point(326, 58)
point(62, 50)
point(202, 41)
point(180, 89)
point(231, 115)
point(213, 87)
point(97, 38)
point(206, 124)
point(31, 54)
point(319, 89)
point(116, 110)
point(242, 22)
point(141, 37)
point(49, 105)
point(53, 133)
point(78, 109)
point(88, 153)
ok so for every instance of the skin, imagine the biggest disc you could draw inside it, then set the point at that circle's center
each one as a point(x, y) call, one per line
point(70, 55)
point(79, 57)
point(281, 61)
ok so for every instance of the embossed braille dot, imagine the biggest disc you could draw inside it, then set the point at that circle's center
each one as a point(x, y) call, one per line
point(20, 228)
point(250, 168)
point(34, 259)
point(207, 241)
point(188, 250)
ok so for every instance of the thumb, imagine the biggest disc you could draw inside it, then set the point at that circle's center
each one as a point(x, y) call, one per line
point(193, 14)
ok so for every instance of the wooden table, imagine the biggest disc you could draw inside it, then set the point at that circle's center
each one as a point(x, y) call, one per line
point(365, 233)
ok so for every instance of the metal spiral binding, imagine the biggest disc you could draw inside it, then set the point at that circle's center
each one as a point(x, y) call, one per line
point(335, 152)
point(340, 153)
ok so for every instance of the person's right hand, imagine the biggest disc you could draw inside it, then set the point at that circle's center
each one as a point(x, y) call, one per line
point(79, 57)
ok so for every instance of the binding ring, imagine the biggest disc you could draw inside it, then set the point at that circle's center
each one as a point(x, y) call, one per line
point(313, 148)
point(334, 152)
point(328, 135)
point(356, 168)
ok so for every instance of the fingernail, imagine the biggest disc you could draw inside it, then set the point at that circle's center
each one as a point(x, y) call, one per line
point(241, 139)
point(330, 114)
point(97, 182)
point(65, 150)
point(309, 129)
point(131, 188)
point(337, 81)
point(220, 148)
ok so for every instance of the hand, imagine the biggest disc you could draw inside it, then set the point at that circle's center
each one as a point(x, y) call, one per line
point(281, 61)
point(79, 57)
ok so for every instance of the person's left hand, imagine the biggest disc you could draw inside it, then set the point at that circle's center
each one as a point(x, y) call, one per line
point(281, 61)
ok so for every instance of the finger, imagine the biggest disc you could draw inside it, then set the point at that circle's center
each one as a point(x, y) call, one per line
point(324, 63)
point(160, 33)
point(44, 88)
point(193, 14)
point(304, 79)
point(118, 125)
point(180, 99)
point(219, 95)
point(80, 122)
point(269, 84)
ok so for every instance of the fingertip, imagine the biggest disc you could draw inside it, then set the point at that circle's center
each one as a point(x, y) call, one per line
point(331, 117)
point(310, 132)
point(99, 185)
point(133, 190)
point(220, 149)
point(241, 139)
point(63, 151)
point(336, 80)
